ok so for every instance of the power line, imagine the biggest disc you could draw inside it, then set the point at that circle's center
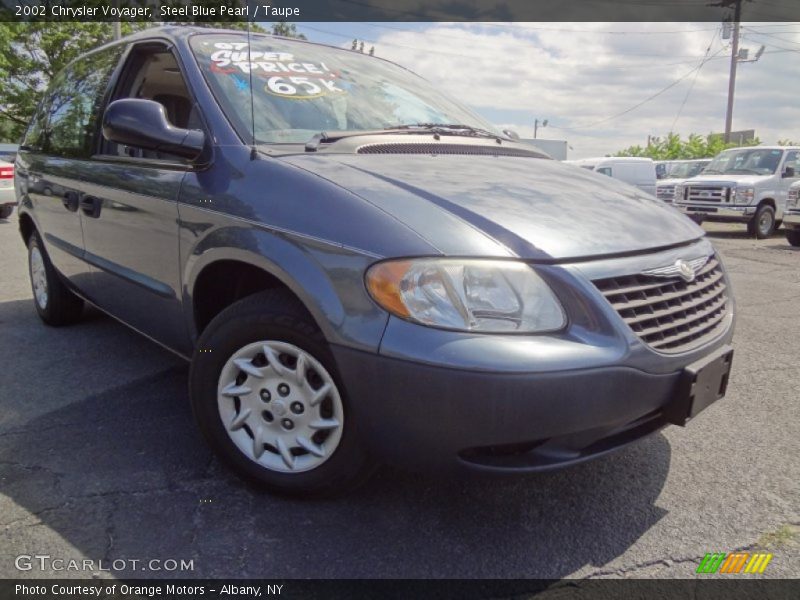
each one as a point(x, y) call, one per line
point(643, 102)
point(694, 79)
point(772, 45)
point(462, 54)
point(771, 35)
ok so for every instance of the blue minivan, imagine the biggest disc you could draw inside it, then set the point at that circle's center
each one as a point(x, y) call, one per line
point(359, 268)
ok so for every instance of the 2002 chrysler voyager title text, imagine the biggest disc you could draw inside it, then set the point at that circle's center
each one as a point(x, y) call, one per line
point(360, 268)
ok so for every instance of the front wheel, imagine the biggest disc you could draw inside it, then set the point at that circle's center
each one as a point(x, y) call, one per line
point(266, 396)
point(763, 223)
point(793, 237)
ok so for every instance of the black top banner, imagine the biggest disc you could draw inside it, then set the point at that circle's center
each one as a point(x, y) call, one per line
point(398, 10)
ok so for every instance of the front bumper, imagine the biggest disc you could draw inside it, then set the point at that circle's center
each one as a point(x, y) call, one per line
point(418, 415)
point(447, 400)
point(718, 212)
point(791, 219)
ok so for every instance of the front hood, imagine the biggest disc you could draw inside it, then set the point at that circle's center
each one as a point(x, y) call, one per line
point(740, 180)
point(676, 181)
point(529, 207)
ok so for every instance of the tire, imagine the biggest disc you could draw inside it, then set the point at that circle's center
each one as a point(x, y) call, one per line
point(54, 302)
point(793, 237)
point(762, 224)
point(5, 211)
point(302, 451)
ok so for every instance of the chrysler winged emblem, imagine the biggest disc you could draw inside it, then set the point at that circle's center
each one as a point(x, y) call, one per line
point(685, 269)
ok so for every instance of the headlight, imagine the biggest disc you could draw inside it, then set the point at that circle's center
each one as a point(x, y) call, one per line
point(489, 296)
point(743, 195)
point(793, 198)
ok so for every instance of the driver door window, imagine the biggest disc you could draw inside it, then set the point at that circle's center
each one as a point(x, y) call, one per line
point(155, 75)
point(793, 161)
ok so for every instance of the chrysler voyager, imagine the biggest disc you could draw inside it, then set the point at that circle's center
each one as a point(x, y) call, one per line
point(359, 268)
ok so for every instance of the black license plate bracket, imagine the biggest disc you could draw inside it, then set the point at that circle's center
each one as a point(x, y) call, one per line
point(700, 385)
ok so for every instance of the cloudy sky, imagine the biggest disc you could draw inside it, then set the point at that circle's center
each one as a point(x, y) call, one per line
point(582, 77)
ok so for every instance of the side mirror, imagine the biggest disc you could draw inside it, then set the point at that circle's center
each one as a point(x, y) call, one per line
point(511, 133)
point(143, 124)
point(788, 172)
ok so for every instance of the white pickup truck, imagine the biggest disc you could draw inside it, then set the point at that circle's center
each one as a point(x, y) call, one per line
point(746, 185)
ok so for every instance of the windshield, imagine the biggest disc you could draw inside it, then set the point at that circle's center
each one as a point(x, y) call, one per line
point(757, 161)
point(301, 89)
point(686, 170)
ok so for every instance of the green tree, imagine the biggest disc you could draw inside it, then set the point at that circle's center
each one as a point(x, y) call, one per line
point(7, 133)
point(32, 55)
point(284, 29)
point(787, 142)
point(672, 147)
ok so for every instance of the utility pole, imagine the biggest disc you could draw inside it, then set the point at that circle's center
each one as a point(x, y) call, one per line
point(737, 15)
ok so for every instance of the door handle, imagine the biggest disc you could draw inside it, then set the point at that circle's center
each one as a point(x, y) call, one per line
point(70, 201)
point(90, 205)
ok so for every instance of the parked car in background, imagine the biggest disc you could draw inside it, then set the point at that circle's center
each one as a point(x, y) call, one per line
point(639, 172)
point(362, 270)
point(744, 185)
point(791, 216)
point(677, 171)
point(8, 198)
point(8, 152)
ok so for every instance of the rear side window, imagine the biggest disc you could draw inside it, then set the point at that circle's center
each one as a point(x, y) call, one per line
point(604, 170)
point(72, 107)
point(34, 136)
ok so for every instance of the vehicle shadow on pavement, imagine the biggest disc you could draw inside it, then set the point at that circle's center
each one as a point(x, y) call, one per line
point(123, 473)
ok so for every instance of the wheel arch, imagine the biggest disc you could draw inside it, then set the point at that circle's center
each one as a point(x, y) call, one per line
point(279, 263)
point(227, 280)
point(769, 202)
point(26, 226)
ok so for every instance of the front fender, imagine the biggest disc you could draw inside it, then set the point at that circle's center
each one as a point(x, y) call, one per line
point(327, 278)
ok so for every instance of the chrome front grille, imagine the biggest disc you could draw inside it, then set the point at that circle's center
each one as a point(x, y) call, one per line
point(665, 192)
point(707, 193)
point(671, 315)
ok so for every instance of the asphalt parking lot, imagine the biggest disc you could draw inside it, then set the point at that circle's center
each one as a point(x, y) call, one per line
point(99, 459)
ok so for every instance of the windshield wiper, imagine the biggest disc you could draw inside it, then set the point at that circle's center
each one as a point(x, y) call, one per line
point(710, 172)
point(436, 129)
point(450, 129)
point(334, 136)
